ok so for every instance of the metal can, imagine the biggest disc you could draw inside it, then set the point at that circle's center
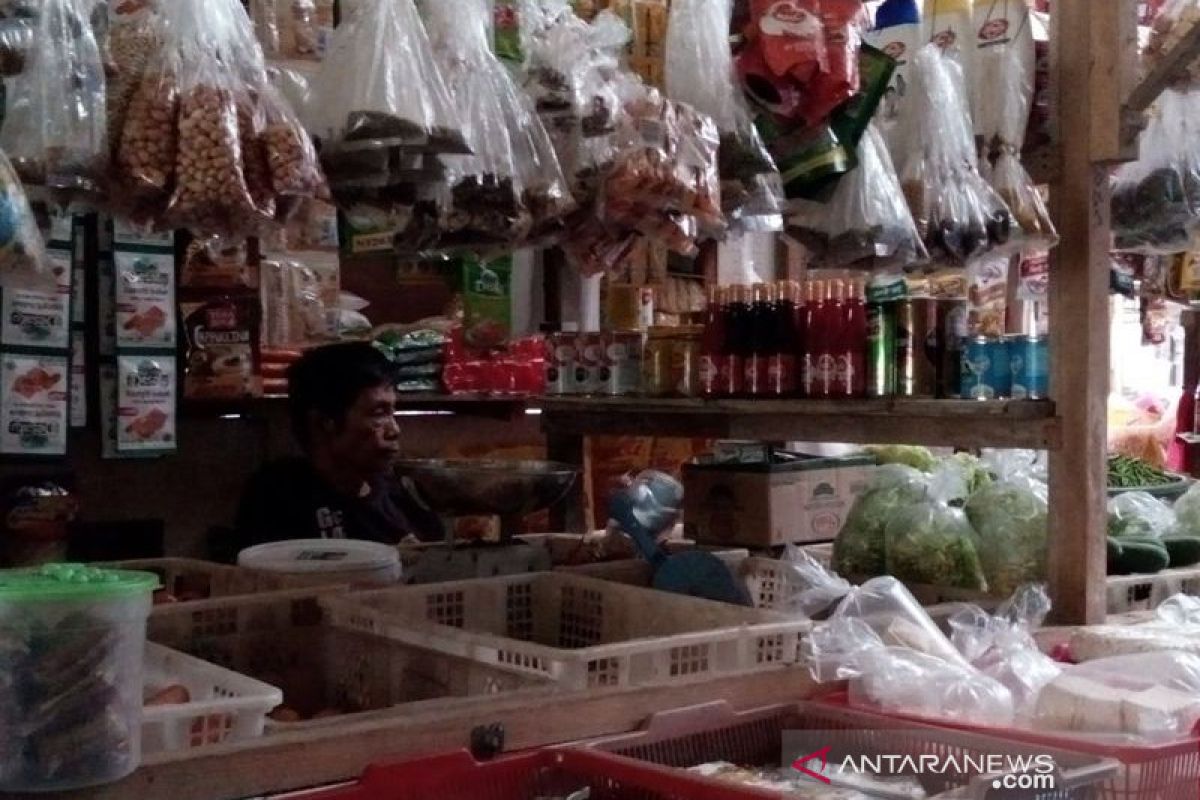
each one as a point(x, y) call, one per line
point(560, 364)
point(1001, 367)
point(589, 357)
point(952, 330)
point(881, 350)
point(1029, 361)
point(916, 322)
point(977, 369)
point(621, 372)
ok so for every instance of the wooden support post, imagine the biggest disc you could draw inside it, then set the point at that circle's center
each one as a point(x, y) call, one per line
point(1087, 39)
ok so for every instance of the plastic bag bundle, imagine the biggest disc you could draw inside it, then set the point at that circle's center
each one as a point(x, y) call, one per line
point(664, 182)
point(866, 222)
point(1152, 696)
point(1006, 136)
point(1002, 646)
point(861, 546)
point(959, 216)
point(571, 72)
point(886, 606)
point(55, 128)
point(1139, 514)
point(903, 681)
point(512, 187)
point(380, 86)
point(699, 71)
point(1156, 199)
point(931, 541)
point(1010, 518)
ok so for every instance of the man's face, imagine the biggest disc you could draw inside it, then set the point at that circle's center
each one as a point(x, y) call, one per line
point(368, 438)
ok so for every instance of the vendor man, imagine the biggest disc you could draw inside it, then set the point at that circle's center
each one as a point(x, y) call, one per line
point(342, 404)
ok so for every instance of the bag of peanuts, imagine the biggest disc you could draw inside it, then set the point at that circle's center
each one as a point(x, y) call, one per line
point(379, 85)
point(512, 189)
point(55, 123)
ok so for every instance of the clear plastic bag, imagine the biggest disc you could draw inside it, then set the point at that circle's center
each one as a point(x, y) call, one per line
point(899, 680)
point(699, 71)
point(1010, 518)
point(931, 541)
point(866, 222)
point(512, 188)
point(1187, 512)
point(295, 170)
point(1002, 646)
point(134, 40)
point(861, 546)
point(23, 261)
point(149, 134)
point(886, 606)
point(55, 129)
point(959, 216)
point(1139, 514)
point(812, 589)
point(1151, 696)
point(1179, 609)
point(1156, 199)
point(380, 86)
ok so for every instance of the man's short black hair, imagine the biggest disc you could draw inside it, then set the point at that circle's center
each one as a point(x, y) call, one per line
point(328, 380)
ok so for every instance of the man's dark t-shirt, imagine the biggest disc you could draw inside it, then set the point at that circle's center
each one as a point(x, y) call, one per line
point(289, 500)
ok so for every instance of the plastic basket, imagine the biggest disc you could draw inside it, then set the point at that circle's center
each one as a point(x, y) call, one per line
point(1168, 771)
point(638, 572)
point(538, 775)
point(224, 706)
point(327, 674)
point(578, 631)
point(194, 580)
point(1127, 593)
point(714, 732)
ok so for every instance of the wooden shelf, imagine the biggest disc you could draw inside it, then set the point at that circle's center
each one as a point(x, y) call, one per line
point(964, 423)
point(471, 404)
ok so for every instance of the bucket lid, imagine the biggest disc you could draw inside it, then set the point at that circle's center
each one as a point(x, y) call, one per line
point(319, 555)
point(73, 582)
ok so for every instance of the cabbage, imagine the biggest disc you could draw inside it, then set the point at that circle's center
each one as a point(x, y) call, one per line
point(916, 457)
point(860, 546)
point(1009, 519)
point(933, 543)
point(1187, 512)
point(1138, 514)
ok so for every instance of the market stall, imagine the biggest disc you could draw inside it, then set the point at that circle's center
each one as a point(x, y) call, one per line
point(201, 167)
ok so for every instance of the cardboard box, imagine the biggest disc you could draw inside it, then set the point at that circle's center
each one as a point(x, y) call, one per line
point(769, 505)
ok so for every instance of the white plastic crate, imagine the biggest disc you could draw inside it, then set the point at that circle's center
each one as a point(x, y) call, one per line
point(224, 706)
point(1127, 593)
point(193, 580)
point(580, 632)
point(285, 639)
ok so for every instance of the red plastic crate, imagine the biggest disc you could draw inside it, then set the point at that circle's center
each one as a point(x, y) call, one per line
point(528, 776)
point(714, 732)
point(1169, 771)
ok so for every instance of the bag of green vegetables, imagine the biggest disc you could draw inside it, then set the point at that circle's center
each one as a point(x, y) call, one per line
point(931, 541)
point(860, 547)
point(1139, 515)
point(1009, 517)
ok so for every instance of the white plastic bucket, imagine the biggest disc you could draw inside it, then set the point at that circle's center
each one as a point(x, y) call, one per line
point(321, 562)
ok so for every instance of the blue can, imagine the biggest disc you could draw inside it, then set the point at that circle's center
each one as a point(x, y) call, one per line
point(1029, 359)
point(986, 372)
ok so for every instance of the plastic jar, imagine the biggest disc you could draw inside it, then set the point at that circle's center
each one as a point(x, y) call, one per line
point(72, 646)
point(323, 562)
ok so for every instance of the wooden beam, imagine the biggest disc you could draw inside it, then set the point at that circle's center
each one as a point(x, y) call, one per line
point(1084, 38)
point(1168, 69)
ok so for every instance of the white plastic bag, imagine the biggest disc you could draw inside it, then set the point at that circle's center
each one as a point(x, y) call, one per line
point(890, 610)
point(812, 589)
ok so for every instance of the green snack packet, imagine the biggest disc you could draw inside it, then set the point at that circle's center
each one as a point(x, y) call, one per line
point(487, 301)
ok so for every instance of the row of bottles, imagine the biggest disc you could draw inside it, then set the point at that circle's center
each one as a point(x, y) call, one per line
point(785, 340)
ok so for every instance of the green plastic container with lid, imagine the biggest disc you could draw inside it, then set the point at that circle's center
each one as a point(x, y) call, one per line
point(72, 645)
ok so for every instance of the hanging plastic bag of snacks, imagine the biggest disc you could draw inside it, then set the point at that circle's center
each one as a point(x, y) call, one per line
point(511, 188)
point(379, 85)
point(866, 223)
point(55, 123)
point(959, 216)
point(23, 261)
point(1156, 199)
point(134, 39)
point(1011, 81)
point(700, 72)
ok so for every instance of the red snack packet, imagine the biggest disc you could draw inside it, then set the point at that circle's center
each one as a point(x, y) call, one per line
point(842, 22)
point(789, 36)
